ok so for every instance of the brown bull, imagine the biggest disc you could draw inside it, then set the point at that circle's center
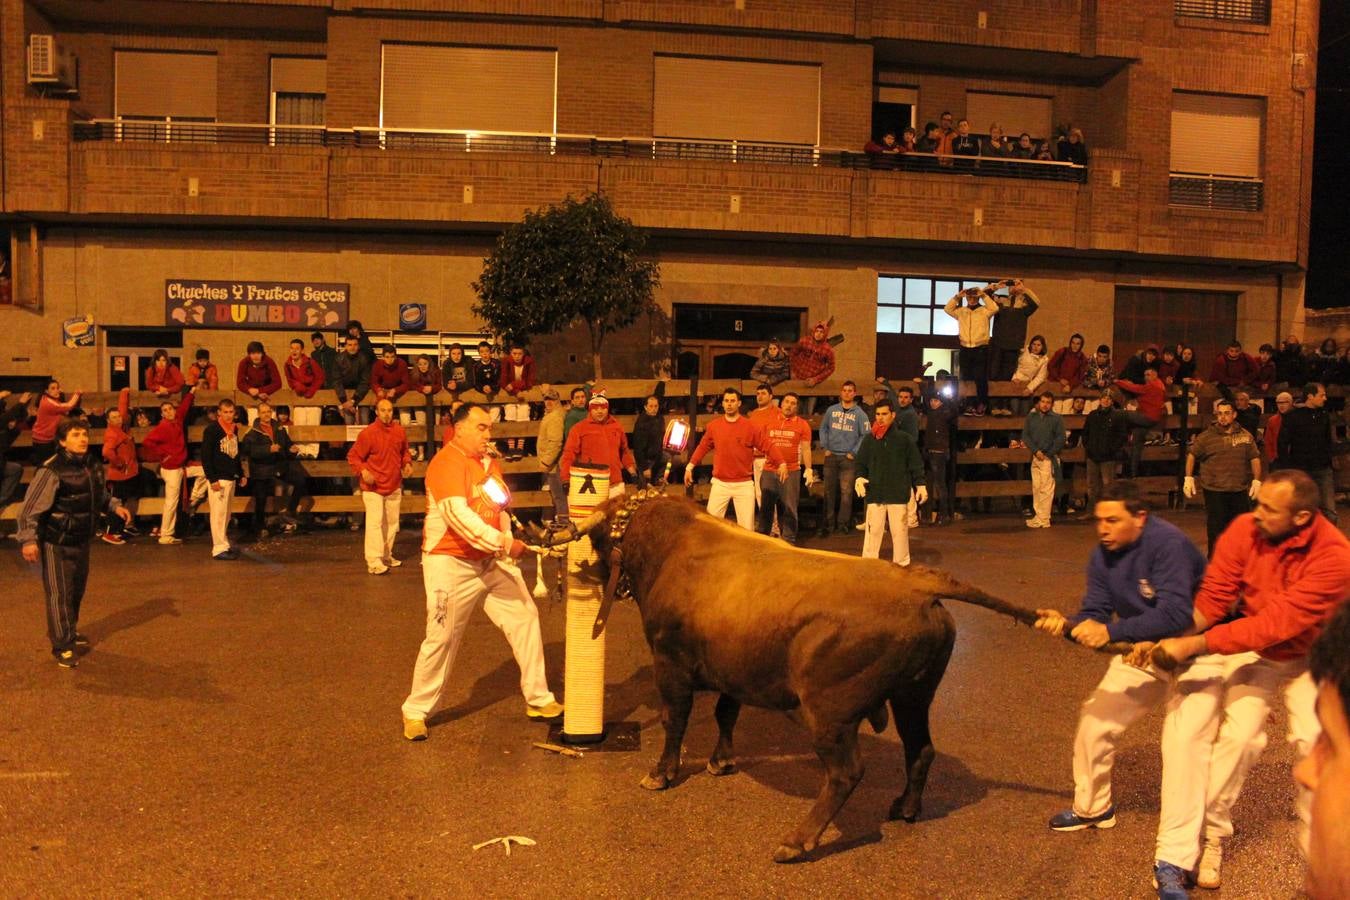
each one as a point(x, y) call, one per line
point(831, 644)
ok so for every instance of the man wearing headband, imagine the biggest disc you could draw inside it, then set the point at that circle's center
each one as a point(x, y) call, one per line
point(467, 547)
point(599, 440)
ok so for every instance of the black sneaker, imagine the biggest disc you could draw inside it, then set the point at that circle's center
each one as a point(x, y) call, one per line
point(227, 555)
point(66, 659)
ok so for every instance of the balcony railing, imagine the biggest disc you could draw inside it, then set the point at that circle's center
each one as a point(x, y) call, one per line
point(1248, 12)
point(1216, 192)
point(170, 131)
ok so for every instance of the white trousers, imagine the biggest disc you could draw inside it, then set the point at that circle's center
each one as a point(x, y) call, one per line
point(381, 525)
point(739, 493)
point(173, 490)
point(1226, 712)
point(516, 412)
point(1042, 489)
point(219, 504)
point(878, 514)
point(912, 511)
point(307, 415)
point(454, 587)
point(758, 471)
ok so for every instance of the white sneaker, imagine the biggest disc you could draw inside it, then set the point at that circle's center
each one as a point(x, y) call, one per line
point(377, 569)
point(393, 563)
point(1211, 861)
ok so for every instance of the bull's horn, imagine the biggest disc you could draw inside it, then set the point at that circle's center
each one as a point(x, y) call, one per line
point(590, 523)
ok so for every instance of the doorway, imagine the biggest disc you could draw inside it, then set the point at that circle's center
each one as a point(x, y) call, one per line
point(127, 353)
point(724, 342)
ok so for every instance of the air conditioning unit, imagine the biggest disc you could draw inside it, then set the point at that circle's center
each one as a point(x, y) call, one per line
point(51, 65)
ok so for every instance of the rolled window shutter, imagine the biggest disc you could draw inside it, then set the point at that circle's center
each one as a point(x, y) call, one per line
point(299, 75)
point(891, 94)
point(468, 88)
point(724, 99)
point(1014, 113)
point(160, 84)
point(1216, 134)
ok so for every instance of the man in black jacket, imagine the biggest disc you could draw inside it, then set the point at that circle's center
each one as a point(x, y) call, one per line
point(939, 450)
point(1105, 431)
point(11, 473)
point(1010, 329)
point(59, 516)
point(352, 369)
point(271, 458)
point(222, 466)
point(1305, 443)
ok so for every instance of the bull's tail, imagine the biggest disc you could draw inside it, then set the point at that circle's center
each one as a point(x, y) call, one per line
point(943, 585)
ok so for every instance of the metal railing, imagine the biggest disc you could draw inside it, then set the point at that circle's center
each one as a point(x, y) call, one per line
point(171, 131)
point(1248, 12)
point(1216, 192)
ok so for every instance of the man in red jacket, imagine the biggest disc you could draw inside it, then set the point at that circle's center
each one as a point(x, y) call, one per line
point(1233, 369)
point(257, 376)
point(1152, 397)
point(123, 471)
point(389, 375)
point(381, 460)
point(517, 377)
point(735, 440)
point(305, 376)
point(1277, 576)
point(599, 440)
point(163, 377)
point(167, 444)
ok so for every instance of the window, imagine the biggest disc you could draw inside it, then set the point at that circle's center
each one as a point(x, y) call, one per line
point(299, 87)
point(893, 109)
point(1251, 12)
point(468, 88)
point(909, 304)
point(727, 99)
point(155, 85)
point(1014, 113)
point(1216, 150)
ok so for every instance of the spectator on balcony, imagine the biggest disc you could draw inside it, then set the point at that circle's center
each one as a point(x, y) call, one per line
point(813, 360)
point(888, 146)
point(163, 377)
point(931, 140)
point(773, 366)
point(306, 377)
point(517, 377)
point(1045, 152)
point(1291, 367)
point(1135, 366)
point(1152, 407)
point(487, 375)
point(1100, 373)
point(257, 375)
point(1010, 328)
point(972, 323)
point(1068, 366)
point(353, 382)
point(456, 374)
point(1232, 369)
point(946, 136)
point(325, 356)
point(365, 347)
point(389, 375)
point(909, 140)
point(1265, 368)
point(203, 373)
point(996, 144)
point(965, 144)
point(1025, 148)
point(1072, 149)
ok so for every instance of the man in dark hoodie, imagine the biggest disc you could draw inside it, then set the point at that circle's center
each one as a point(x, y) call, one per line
point(353, 381)
point(1135, 366)
point(1010, 329)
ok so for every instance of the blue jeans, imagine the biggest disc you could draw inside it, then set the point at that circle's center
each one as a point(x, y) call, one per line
point(781, 497)
point(840, 473)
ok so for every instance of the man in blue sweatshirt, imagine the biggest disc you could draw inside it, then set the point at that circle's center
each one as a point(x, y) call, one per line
point(1140, 585)
point(841, 433)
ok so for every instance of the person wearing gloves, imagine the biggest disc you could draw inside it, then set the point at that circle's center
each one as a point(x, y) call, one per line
point(841, 433)
point(1230, 470)
point(467, 556)
point(223, 469)
point(1044, 437)
point(791, 434)
point(598, 440)
point(380, 458)
point(890, 470)
point(166, 444)
point(734, 438)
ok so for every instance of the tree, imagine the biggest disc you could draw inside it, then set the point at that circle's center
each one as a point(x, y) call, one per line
point(578, 260)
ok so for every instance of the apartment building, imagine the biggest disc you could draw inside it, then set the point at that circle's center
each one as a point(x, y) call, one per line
point(372, 149)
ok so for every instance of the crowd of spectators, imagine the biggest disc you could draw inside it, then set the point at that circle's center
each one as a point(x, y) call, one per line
point(956, 145)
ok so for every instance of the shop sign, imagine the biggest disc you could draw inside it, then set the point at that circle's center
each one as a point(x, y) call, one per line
point(253, 305)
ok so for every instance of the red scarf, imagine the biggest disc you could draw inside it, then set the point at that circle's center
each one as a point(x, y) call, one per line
point(879, 430)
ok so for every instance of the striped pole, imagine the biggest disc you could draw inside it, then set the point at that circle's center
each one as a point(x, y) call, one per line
point(584, 679)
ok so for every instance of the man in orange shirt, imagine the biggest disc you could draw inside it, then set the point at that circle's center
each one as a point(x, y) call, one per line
point(765, 414)
point(381, 460)
point(735, 438)
point(598, 440)
point(791, 434)
point(467, 556)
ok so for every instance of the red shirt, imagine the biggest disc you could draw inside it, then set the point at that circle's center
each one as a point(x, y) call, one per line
point(513, 381)
point(598, 443)
point(207, 372)
point(386, 378)
point(765, 417)
point(49, 415)
point(788, 435)
point(306, 378)
point(383, 449)
point(1271, 439)
point(1233, 372)
point(811, 359)
point(169, 378)
point(264, 376)
point(735, 443)
point(167, 442)
point(1066, 365)
point(1152, 397)
point(1283, 593)
point(119, 449)
point(430, 378)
